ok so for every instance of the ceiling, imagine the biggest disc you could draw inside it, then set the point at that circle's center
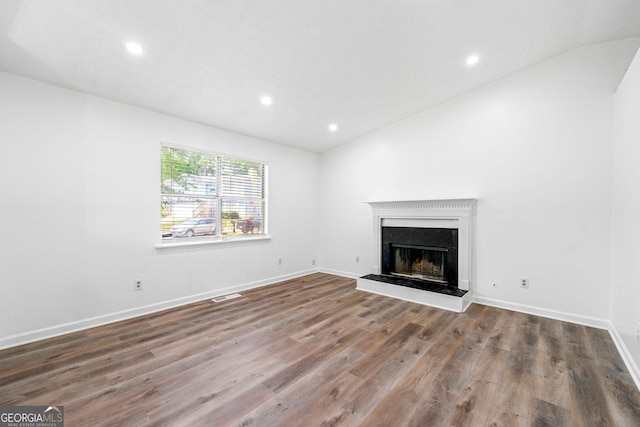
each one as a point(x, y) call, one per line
point(361, 64)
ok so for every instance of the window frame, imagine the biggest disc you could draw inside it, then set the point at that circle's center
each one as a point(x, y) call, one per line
point(218, 237)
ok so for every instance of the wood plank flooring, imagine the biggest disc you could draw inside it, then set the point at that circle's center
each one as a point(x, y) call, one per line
point(314, 351)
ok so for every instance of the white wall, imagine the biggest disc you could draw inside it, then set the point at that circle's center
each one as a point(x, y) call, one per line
point(625, 241)
point(534, 148)
point(79, 201)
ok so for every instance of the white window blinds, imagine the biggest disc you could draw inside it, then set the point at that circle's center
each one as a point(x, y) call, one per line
point(211, 196)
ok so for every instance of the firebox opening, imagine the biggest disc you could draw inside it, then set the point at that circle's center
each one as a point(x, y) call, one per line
point(427, 255)
point(421, 262)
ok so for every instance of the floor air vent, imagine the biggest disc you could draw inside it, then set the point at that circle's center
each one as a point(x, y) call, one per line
point(225, 297)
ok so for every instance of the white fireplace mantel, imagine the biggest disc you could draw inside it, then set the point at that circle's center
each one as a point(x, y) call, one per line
point(448, 213)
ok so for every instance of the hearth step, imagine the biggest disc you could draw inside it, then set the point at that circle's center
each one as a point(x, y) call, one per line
point(434, 295)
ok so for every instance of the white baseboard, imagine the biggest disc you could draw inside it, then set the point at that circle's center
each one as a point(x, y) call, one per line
point(593, 322)
point(65, 328)
point(626, 355)
point(340, 273)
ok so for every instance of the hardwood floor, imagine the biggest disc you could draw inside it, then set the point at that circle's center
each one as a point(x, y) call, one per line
point(315, 351)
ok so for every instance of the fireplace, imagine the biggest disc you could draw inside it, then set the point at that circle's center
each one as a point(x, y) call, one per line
point(427, 254)
point(423, 252)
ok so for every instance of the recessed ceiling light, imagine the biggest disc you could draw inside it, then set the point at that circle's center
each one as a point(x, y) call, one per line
point(333, 127)
point(266, 100)
point(134, 48)
point(472, 60)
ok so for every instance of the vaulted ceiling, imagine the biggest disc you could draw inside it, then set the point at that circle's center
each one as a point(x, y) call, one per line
point(361, 64)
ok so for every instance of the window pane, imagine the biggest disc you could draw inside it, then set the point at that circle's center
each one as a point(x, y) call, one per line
point(167, 184)
point(241, 178)
point(187, 217)
point(188, 172)
point(242, 217)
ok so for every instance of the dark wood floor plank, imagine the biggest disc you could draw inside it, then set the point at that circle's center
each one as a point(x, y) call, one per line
point(621, 396)
point(419, 386)
point(513, 402)
point(319, 356)
point(298, 403)
point(590, 406)
point(546, 414)
point(476, 400)
point(551, 376)
point(451, 381)
point(378, 384)
point(377, 355)
point(316, 351)
point(437, 322)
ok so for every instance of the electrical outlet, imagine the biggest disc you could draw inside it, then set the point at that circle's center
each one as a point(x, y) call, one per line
point(137, 285)
point(279, 261)
point(357, 259)
point(313, 262)
point(638, 331)
point(524, 282)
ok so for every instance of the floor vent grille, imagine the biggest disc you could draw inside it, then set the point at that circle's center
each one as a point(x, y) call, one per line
point(225, 297)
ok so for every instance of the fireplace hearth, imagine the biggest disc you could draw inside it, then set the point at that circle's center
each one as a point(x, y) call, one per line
point(420, 285)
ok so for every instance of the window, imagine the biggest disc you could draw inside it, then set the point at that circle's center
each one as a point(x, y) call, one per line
point(206, 196)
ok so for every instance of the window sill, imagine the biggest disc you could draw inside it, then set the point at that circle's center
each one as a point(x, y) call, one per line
point(208, 242)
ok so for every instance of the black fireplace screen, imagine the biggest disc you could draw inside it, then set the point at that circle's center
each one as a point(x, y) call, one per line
point(428, 254)
point(419, 262)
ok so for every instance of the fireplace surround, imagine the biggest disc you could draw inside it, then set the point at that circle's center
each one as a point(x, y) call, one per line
point(423, 252)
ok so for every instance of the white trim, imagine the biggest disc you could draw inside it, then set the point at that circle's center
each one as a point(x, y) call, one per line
point(632, 367)
point(65, 328)
point(340, 273)
point(543, 312)
point(213, 241)
point(419, 222)
point(210, 152)
point(425, 204)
